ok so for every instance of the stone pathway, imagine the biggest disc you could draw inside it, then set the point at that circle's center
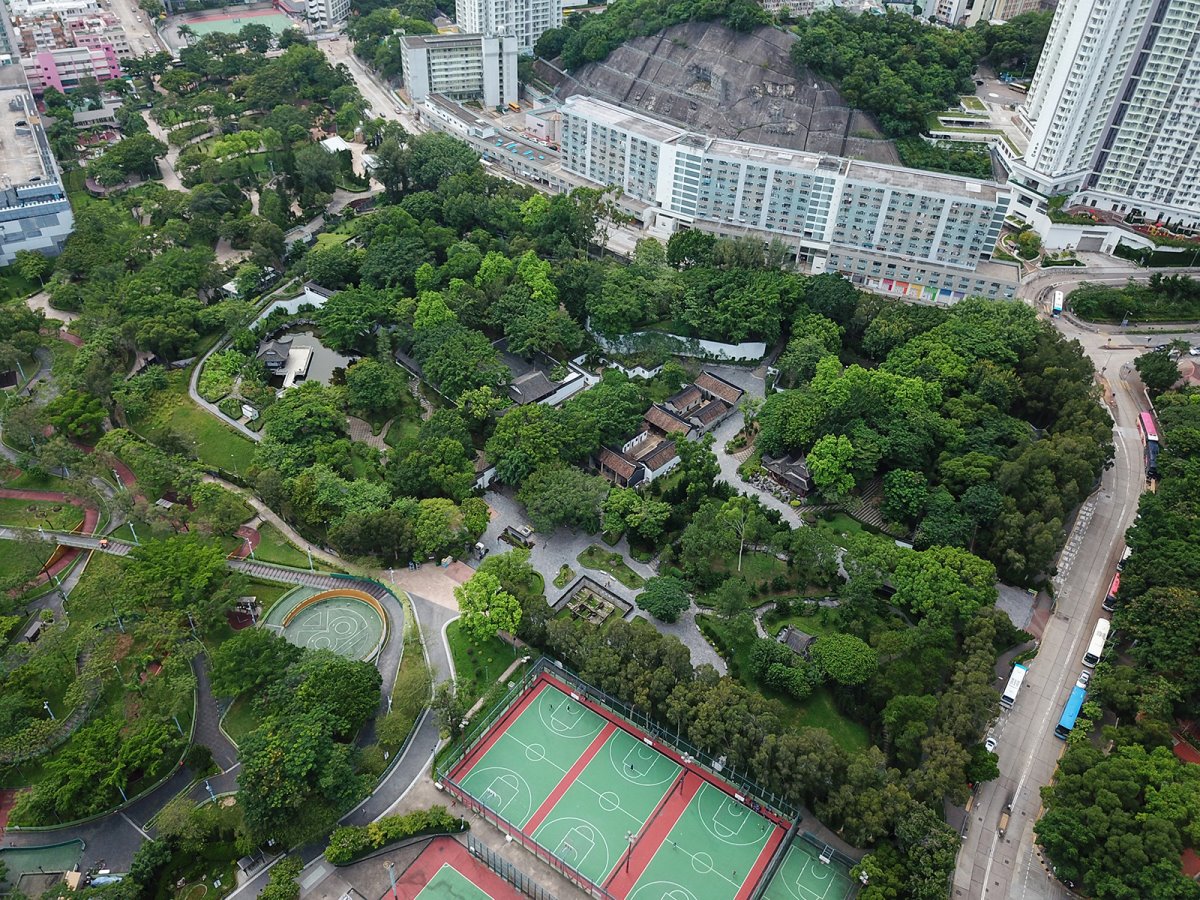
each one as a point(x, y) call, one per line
point(360, 430)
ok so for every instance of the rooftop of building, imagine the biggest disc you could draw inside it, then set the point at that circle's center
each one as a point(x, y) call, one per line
point(21, 159)
point(616, 117)
point(450, 108)
point(419, 41)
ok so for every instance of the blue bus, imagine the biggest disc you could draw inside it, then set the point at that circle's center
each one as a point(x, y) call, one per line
point(1070, 713)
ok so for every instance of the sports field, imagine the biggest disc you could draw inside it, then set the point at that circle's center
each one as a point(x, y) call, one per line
point(330, 620)
point(611, 806)
point(451, 884)
point(804, 877)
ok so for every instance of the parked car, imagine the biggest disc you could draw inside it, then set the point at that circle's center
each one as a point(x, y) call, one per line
point(990, 745)
point(1084, 677)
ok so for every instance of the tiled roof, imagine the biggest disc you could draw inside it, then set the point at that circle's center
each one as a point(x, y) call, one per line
point(662, 455)
point(711, 411)
point(530, 388)
point(685, 399)
point(616, 464)
point(665, 422)
point(719, 387)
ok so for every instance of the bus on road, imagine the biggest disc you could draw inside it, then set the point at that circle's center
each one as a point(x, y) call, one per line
point(1009, 697)
point(1057, 309)
point(1148, 432)
point(1070, 712)
point(1096, 647)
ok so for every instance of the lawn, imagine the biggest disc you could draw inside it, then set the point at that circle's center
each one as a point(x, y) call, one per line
point(840, 527)
point(213, 443)
point(274, 547)
point(327, 239)
point(564, 576)
point(755, 566)
point(269, 593)
point(34, 513)
point(35, 482)
point(20, 562)
point(476, 666)
point(410, 693)
point(12, 285)
point(240, 720)
point(403, 428)
point(817, 711)
point(596, 557)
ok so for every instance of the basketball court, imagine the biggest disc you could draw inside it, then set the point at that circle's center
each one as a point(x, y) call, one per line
point(331, 620)
point(804, 876)
point(610, 805)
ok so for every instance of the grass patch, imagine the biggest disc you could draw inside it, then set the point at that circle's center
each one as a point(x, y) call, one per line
point(564, 576)
point(31, 481)
point(410, 694)
point(274, 547)
point(476, 666)
point(327, 239)
point(755, 566)
point(13, 286)
point(840, 527)
point(211, 442)
point(403, 428)
point(734, 641)
point(596, 557)
point(20, 562)
point(241, 719)
point(269, 593)
point(48, 514)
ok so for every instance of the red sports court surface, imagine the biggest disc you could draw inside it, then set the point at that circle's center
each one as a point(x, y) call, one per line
point(620, 810)
point(446, 871)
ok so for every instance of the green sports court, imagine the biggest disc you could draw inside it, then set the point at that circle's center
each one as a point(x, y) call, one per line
point(611, 806)
point(802, 876)
point(451, 884)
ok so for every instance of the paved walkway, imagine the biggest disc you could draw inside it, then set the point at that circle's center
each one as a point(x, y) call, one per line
point(360, 430)
point(41, 301)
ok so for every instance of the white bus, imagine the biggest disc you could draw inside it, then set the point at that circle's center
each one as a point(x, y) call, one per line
point(1009, 697)
point(1096, 647)
point(1058, 304)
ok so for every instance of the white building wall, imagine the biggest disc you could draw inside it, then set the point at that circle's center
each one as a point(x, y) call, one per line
point(526, 20)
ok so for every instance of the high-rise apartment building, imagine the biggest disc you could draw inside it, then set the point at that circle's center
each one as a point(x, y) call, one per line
point(899, 230)
point(460, 66)
point(526, 20)
point(325, 14)
point(1114, 110)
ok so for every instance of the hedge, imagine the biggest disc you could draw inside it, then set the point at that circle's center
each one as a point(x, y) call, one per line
point(352, 842)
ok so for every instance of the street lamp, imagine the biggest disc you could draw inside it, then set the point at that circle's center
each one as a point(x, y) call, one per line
point(391, 870)
point(46, 703)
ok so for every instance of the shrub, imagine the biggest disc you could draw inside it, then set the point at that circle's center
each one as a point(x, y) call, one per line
point(351, 842)
point(231, 406)
point(217, 377)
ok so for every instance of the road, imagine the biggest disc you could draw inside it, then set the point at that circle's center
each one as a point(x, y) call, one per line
point(142, 36)
point(384, 102)
point(990, 866)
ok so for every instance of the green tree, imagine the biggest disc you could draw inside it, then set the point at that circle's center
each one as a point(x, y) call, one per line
point(486, 607)
point(1157, 370)
point(829, 463)
point(374, 387)
point(32, 266)
point(525, 439)
point(250, 661)
point(664, 597)
point(846, 659)
point(76, 414)
point(558, 494)
point(626, 509)
point(283, 883)
point(448, 708)
point(944, 583)
point(743, 517)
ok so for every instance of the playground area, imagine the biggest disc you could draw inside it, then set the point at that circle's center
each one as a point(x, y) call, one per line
point(35, 869)
point(227, 21)
point(593, 797)
point(349, 622)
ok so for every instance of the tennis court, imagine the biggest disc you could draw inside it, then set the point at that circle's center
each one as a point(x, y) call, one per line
point(608, 804)
point(803, 876)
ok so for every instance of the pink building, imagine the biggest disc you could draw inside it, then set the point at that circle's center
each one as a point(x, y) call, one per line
point(64, 68)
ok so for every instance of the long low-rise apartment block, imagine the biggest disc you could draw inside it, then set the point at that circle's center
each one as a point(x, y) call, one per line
point(34, 211)
point(921, 234)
